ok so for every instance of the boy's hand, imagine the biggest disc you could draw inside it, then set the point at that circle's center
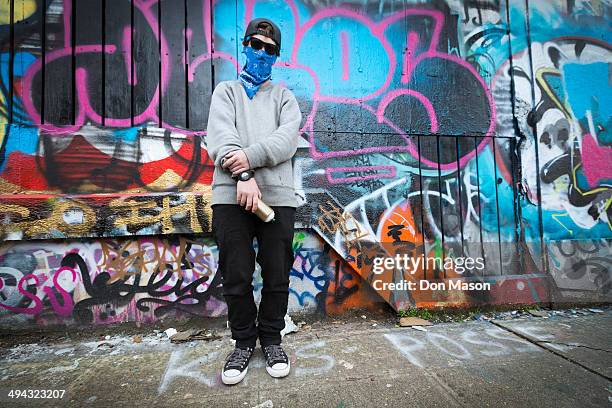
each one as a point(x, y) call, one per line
point(247, 193)
point(236, 161)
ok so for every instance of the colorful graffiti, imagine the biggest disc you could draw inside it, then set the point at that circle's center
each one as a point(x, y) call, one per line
point(108, 281)
point(447, 128)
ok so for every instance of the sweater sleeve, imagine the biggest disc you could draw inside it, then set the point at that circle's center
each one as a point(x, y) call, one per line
point(281, 144)
point(222, 136)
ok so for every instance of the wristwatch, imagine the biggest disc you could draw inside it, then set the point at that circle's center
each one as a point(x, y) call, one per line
point(245, 175)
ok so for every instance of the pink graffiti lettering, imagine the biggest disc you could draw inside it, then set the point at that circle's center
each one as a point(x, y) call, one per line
point(38, 306)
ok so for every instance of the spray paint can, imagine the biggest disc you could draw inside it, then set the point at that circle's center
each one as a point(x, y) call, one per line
point(264, 212)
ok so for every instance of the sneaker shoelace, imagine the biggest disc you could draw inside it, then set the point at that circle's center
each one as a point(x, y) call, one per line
point(238, 358)
point(275, 354)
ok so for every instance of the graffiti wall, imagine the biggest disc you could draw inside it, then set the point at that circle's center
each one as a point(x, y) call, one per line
point(146, 279)
point(451, 128)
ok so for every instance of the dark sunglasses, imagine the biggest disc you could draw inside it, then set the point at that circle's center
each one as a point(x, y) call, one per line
point(257, 44)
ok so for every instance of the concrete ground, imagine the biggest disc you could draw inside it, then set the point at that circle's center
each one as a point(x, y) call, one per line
point(559, 361)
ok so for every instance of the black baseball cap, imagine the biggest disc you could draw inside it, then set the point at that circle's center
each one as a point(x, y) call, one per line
point(252, 29)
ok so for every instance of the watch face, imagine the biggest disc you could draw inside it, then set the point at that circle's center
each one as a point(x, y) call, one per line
point(244, 176)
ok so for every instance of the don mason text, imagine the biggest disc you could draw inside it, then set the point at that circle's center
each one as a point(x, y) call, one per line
point(451, 284)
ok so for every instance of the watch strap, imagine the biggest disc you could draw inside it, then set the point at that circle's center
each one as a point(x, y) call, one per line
point(251, 175)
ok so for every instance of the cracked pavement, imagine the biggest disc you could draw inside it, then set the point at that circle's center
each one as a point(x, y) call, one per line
point(561, 361)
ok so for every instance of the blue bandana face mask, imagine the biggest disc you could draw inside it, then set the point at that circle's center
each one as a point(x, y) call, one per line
point(256, 70)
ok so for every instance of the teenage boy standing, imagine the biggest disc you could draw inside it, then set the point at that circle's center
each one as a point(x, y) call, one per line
point(253, 132)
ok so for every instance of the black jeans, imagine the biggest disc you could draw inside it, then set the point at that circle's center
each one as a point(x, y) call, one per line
point(234, 229)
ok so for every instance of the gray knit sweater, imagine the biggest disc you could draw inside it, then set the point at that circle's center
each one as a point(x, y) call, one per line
point(266, 128)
